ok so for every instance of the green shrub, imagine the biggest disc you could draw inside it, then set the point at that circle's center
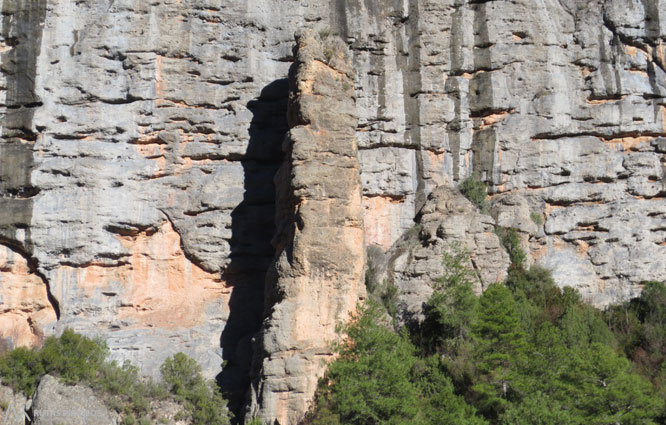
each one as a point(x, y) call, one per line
point(537, 218)
point(324, 33)
point(201, 398)
point(509, 239)
point(73, 357)
point(477, 192)
point(128, 420)
point(21, 369)
point(132, 394)
point(457, 272)
point(77, 359)
point(385, 292)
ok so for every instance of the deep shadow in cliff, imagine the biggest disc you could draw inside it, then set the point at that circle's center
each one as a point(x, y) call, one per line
point(22, 28)
point(253, 226)
point(21, 35)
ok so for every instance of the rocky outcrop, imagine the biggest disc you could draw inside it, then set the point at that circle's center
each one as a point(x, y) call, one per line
point(447, 223)
point(316, 279)
point(12, 407)
point(127, 123)
point(56, 403)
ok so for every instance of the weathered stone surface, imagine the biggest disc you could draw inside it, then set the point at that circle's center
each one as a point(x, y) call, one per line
point(166, 411)
point(448, 223)
point(156, 293)
point(117, 116)
point(120, 115)
point(316, 280)
point(25, 309)
point(56, 403)
point(13, 410)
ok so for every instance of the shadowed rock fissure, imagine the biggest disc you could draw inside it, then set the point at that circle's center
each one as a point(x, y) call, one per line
point(252, 226)
point(409, 62)
point(22, 28)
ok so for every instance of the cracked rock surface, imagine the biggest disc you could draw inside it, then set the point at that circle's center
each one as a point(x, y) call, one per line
point(316, 279)
point(139, 143)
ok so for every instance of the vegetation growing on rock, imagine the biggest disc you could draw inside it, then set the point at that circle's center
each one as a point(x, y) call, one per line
point(524, 352)
point(476, 191)
point(76, 359)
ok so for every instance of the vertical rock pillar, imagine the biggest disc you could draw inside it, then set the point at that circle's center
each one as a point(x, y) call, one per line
point(316, 279)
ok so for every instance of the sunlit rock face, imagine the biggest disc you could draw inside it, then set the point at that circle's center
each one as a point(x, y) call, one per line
point(316, 279)
point(140, 142)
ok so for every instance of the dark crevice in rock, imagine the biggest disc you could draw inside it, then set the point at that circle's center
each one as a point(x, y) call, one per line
point(33, 267)
point(22, 27)
point(252, 227)
point(409, 61)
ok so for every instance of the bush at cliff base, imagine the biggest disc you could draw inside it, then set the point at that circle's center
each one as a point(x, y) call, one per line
point(77, 359)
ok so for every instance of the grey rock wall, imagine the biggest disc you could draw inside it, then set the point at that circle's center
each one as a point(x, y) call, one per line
point(139, 142)
point(13, 411)
point(556, 103)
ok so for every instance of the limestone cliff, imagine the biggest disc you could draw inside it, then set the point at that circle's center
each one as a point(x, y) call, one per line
point(140, 140)
point(316, 280)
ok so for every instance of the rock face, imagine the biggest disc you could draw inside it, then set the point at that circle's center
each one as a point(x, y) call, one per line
point(56, 403)
point(559, 103)
point(316, 280)
point(140, 140)
point(26, 311)
point(13, 410)
point(447, 223)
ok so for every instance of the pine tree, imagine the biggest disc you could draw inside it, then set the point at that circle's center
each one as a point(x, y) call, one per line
point(499, 348)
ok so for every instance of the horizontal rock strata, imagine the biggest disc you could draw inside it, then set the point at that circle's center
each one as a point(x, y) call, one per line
point(118, 116)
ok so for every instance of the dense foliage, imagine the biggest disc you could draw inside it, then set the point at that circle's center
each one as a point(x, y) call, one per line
point(201, 398)
point(640, 327)
point(380, 379)
point(477, 192)
point(72, 357)
point(523, 353)
point(77, 359)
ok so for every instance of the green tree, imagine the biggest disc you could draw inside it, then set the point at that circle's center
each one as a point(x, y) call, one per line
point(439, 403)
point(452, 307)
point(201, 398)
point(21, 369)
point(602, 387)
point(499, 349)
point(370, 381)
point(73, 357)
point(538, 409)
point(379, 379)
